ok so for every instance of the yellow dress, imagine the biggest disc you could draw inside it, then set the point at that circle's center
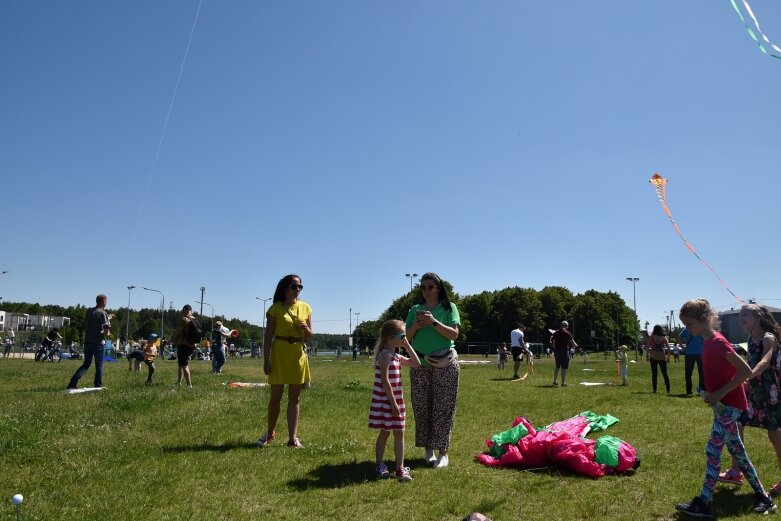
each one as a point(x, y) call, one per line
point(289, 363)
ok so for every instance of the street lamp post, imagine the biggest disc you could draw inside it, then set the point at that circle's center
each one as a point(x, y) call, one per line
point(634, 281)
point(202, 290)
point(127, 326)
point(211, 319)
point(162, 309)
point(263, 321)
point(411, 277)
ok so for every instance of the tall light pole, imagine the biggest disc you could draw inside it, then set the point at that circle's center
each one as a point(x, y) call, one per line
point(211, 319)
point(162, 308)
point(411, 277)
point(202, 290)
point(357, 314)
point(634, 281)
point(263, 323)
point(127, 326)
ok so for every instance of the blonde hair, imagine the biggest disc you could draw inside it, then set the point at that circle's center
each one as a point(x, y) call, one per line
point(391, 327)
point(699, 309)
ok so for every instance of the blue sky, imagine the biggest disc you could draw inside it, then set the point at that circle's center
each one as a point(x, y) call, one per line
point(497, 143)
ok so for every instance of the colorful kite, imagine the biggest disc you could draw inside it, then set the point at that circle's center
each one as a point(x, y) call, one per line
point(659, 184)
point(753, 34)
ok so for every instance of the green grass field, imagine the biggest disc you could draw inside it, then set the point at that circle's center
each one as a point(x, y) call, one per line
point(165, 453)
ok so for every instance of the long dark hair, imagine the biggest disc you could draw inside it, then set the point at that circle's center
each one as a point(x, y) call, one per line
point(766, 320)
point(282, 285)
point(444, 299)
point(658, 331)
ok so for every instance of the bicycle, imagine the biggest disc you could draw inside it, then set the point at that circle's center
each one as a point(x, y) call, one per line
point(49, 353)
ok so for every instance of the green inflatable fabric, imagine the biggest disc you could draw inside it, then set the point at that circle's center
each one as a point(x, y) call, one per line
point(606, 451)
point(508, 436)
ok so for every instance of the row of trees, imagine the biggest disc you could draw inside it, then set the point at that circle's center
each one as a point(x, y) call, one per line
point(489, 316)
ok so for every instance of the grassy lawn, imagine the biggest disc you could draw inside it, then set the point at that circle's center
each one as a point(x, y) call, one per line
point(165, 453)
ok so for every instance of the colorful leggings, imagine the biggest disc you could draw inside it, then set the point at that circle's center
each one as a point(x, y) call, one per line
point(725, 431)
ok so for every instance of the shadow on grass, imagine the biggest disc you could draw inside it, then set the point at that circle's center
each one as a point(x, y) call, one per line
point(209, 447)
point(344, 475)
point(508, 379)
point(729, 504)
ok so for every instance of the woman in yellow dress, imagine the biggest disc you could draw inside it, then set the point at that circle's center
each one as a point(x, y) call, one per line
point(288, 327)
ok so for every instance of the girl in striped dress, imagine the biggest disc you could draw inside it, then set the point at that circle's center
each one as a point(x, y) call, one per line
point(387, 411)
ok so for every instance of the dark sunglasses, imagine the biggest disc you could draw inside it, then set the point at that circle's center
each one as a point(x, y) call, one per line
point(428, 287)
point(299, 287)
point(400, 336)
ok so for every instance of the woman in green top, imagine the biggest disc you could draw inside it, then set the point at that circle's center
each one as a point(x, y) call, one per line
point(432, 326)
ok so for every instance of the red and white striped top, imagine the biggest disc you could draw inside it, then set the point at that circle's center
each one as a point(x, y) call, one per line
point(380, 415)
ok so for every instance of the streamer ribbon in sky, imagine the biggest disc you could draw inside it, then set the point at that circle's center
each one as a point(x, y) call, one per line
point(758, 36)
point(659, 183)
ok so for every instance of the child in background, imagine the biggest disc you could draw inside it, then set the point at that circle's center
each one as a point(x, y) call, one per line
point(135, 357)
point(724, 372)
point(388, 412)
point(762, 387)
point(622, 360)
point(503, 356)
point(150, 353)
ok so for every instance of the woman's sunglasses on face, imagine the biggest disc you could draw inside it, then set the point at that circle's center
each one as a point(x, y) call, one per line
point(299, 287)
point(400, 336)
point(428, 287)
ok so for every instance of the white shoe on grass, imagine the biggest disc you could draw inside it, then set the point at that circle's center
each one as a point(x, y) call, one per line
point(442, 462)
point(428, 456)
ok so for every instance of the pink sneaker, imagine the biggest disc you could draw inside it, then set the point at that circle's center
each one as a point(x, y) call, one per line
point(731, 476)
point(403, 474)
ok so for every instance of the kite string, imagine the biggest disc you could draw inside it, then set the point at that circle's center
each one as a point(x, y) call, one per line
point(165, 124)
point(662, 195)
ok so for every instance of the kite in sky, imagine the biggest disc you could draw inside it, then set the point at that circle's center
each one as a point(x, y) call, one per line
point(659, 183)
point(775, 50)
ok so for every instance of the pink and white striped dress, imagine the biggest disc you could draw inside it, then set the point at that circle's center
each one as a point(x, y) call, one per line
point(380, 415)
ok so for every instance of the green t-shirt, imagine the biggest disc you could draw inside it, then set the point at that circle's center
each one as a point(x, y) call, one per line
point(428, 339)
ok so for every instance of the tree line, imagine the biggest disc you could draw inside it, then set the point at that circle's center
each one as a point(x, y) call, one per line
point(141, 322)
point(489, 316)
point(486, 317)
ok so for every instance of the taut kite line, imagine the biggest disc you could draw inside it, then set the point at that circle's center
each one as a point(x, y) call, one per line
point(659, 183)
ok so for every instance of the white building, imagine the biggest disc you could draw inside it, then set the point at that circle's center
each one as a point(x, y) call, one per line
point(25, 322)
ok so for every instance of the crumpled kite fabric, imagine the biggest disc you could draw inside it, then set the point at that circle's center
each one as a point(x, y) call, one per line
point(660, 186)
point(562, 444)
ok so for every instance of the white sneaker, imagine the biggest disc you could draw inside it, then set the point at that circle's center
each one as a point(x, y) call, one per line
point(428, 456)
point(442, 462)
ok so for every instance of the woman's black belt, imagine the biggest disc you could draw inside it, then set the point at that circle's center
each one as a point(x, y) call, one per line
point(289, 339)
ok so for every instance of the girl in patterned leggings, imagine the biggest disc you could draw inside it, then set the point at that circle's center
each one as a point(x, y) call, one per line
point(388, 412)
point(724, 372)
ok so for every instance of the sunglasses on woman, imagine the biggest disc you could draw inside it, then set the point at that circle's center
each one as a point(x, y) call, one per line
point(400, 336)
point(299, 287)
point(428, 287)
